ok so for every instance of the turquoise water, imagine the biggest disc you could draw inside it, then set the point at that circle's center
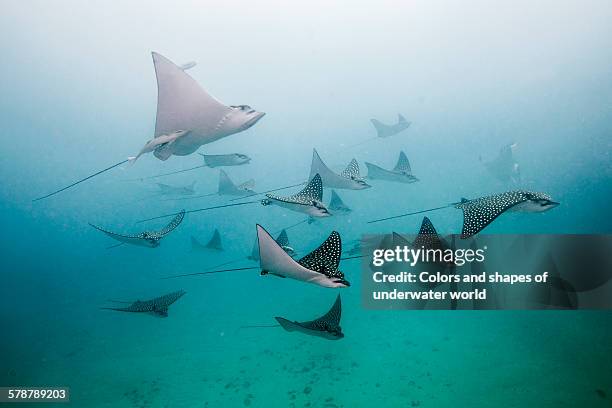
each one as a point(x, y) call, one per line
point(79, 94)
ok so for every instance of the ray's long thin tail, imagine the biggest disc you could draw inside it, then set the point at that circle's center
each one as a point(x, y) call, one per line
point(261, 326)
point(197, 210)
point(116, 245)
point(81, 180)
point(211, 272)
point(269, 191)
point(190, 197)
point(173, 172)
point(410, 213)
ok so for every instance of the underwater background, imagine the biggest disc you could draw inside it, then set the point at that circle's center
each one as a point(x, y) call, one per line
point(78, 93)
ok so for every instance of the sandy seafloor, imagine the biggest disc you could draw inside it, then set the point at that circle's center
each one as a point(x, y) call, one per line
point(198, 358)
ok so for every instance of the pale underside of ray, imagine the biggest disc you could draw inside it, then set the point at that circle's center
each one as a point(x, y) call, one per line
point(282, 240)
point(182, 104)
point(328, 177)
point(274, 260)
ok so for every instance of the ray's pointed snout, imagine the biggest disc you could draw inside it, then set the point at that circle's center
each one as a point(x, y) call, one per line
point(343, 282)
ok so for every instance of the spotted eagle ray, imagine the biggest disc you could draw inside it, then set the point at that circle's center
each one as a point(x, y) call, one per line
point(326, 326)
point(157, 306)
point(308, 201)
point(480, 212)
point(166, 189)
point(427, 239)
point(504, 167)
point(222, 160)
point(227, 186)
point(384, 130)
point(349, 179)
point(214, 243)
point(147, 238)
point(212, 161)
point(401, 173)
point(187, 117)
point(336, 205)
point(319, 267)
point(282, 240)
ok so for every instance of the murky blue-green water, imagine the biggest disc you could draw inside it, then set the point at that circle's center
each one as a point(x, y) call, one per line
point(78, 93)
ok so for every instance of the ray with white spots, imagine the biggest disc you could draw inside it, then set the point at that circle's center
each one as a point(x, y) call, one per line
point(401, 173)
point(326, 326)
point(149, 239)
point(349, 179)
point(157, 306)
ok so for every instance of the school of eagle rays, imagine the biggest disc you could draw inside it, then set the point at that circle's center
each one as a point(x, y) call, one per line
point(188, 118)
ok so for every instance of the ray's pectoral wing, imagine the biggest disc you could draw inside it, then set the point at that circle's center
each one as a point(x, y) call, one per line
point(288, 325)
point(479, 213)
point(326, 258)
point(274, 260)
point(182, 104)
point(127, 239)
point(380, 127)
point(176, 221)
point(403, 165)
point(351, 171)
point(375, 171)
point(215, 241)
point(312, 191)
point(329, 321)
point(319, 167)
point(226, 185)
point(428, 236)
point(282, 239)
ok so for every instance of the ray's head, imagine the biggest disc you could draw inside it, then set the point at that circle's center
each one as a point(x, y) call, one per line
point(240, 158)
point(243, 117)
point(360, 183)
point(319, 209)
point(333, 333)
point(151, 241)
point(539, 202)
